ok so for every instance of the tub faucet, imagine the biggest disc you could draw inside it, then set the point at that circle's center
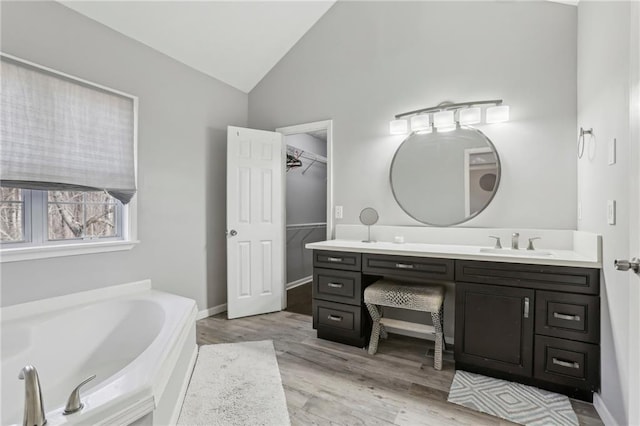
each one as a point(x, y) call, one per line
point(33, 406)
point(514, 240)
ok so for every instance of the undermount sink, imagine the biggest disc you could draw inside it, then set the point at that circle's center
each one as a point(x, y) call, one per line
point(511, 252)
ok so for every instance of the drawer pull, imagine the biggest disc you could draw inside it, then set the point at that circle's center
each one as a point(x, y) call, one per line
point(526, 307)
point(404, 266)
point(334, 318)
point(566, 364)
point(334, 259)
point(334, 285)
point(566, 317)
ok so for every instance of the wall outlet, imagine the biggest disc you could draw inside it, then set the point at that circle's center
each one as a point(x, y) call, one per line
point(612, 151)
point(611, 212)
point(338, 212)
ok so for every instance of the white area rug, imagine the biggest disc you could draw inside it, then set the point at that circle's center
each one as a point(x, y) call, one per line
point(518, 403)
point(235, 384)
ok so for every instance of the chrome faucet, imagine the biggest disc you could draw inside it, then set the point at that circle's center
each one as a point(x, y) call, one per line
point(514, 240)
point(33, 406)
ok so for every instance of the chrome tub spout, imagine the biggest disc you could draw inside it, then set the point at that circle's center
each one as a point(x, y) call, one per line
point(33, 405)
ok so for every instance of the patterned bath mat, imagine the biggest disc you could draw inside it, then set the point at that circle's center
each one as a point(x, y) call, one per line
point(515, 402)
point(235, 384)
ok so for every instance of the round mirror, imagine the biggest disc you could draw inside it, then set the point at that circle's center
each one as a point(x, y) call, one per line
point(368, 216)
point(445, 178)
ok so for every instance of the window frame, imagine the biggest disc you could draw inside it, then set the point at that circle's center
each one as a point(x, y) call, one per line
point(27, 250)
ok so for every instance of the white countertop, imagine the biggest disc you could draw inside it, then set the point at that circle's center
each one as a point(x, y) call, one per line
point(555, 257)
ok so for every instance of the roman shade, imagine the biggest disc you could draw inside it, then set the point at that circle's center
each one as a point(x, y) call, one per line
point(58, 133)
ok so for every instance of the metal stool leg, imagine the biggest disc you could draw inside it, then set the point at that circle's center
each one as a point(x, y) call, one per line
point(375, 328)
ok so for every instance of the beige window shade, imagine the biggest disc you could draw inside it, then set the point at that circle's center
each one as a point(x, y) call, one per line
point(58, 133)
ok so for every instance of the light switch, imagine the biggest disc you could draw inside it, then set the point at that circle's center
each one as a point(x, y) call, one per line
point(611, 212)
point(612, 151)
point(338, 212)
point(579, 211)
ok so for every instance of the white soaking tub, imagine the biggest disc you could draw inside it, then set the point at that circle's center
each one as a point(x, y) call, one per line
point(140, 344)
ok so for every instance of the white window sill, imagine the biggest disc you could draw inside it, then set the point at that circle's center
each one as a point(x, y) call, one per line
point(18, 254)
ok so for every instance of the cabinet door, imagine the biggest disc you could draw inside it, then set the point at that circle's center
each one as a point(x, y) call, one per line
point(494, 328)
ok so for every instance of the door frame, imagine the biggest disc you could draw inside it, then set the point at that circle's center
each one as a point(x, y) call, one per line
point(634, 215)
point(306, 128)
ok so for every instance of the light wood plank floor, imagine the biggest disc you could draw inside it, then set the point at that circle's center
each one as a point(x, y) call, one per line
point(330, 383)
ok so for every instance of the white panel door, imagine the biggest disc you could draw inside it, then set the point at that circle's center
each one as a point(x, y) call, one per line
point(255, 222)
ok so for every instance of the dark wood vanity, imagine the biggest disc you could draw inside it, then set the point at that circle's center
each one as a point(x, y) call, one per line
point(534, 324)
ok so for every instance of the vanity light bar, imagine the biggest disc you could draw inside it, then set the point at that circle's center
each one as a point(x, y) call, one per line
point(444, 116)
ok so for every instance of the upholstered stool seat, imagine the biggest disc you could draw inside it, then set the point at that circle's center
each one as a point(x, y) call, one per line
point(416, 297)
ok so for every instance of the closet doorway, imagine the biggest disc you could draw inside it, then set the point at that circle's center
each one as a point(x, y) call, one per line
point(307, 205)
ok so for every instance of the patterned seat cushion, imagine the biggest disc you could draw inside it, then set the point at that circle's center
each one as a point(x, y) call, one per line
point(417, 297)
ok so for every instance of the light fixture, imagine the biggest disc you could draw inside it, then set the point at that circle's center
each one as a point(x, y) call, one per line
point(497, 114)
point(470, 115)
point(444, 118)
point(420, 123)
point(398, 127)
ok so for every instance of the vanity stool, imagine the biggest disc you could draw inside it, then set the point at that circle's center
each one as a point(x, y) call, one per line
point(416, 297)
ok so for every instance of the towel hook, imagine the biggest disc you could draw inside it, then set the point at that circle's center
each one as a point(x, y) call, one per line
point(581, 140)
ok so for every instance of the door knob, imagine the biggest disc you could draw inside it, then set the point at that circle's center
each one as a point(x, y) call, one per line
point(233, 232)
point(625, 265)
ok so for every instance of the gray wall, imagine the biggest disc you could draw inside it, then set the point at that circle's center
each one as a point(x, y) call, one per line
point(364, 62)
point(306, 200)
point(183, 116)
point(603, 104)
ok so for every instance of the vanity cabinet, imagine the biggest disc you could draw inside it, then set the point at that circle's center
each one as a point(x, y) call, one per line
point(339, 313)
point(535, 324)
point(494, 327)
point(518, 326)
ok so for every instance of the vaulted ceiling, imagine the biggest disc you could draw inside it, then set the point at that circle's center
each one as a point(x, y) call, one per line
point(237, 42)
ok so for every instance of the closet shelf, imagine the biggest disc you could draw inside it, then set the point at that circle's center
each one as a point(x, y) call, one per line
point(301, 153)
point(306, 225)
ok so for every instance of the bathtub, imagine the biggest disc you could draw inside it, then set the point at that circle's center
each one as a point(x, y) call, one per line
point(140, 344)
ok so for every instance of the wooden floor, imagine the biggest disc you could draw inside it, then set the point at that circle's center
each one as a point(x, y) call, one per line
point(330, 383)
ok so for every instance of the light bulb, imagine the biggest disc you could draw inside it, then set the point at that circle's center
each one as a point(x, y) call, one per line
point(470, 115)
point(420, 123)
point(398, 127)
point(443, 119)
point(498, 114)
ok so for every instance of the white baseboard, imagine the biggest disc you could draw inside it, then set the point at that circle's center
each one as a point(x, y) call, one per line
point(298, 283)
point(603, 411)
point(211, 311)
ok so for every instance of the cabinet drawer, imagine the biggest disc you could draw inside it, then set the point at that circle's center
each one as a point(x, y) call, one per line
point(566, 362)
point(337, 260)
point(539, 277)
point(418, 267)
point(569, 316)
point(337, 286)
point(337, 317)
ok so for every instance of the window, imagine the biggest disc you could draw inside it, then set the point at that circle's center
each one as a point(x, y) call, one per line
point(31, 217)
point(12, 215)
point(68, 164)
